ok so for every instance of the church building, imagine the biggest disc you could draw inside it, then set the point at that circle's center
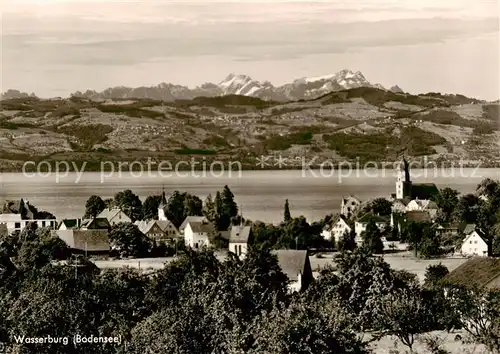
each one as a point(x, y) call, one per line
point(406, 189)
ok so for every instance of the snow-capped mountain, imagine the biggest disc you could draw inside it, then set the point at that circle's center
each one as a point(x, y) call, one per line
point(303, 88)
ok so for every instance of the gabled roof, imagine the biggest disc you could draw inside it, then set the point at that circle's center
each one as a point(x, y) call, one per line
point(480, 233)
point(96, 223)
point(191, 219)
point(476, 272)
point(110, 213)
point(145, 226)
point(293, 262)
point(239, 234)
point(469, 228)
point(370, 216)
point(69, 223)
point(201, 226)
point(402, 201)
point(90, 240)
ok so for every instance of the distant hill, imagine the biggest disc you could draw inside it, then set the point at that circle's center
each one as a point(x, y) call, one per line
point(365, 123)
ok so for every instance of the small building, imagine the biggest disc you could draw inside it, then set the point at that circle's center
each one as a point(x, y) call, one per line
point(337, 229)
point(95, 224)
point(475, 244)
point(477, 272)
point(360, 225)
point(114, 216)
point(297, 267)
point(196, 234)
point(90, 241)
point(69, 224)
point(158, 230)
point(349, 205)
point(15, 222)
point(399, 206)
point(447, 229)
point(238, 240)
point(191, 219)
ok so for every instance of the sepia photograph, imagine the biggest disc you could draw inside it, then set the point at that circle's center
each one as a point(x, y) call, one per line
point(249, 177)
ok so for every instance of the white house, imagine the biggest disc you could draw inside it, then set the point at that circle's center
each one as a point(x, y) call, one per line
point(190, 219)
point(349, 205)
point(238, 240)
point(337, 229)
point(196, 234)
point(114, 216)
point(475, 244)
point(399, 206)
point(297, 267)
point(14, 222)
point(423, 205)
point(360, 225)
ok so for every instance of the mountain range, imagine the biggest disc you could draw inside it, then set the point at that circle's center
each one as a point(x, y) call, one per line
point(233, 84)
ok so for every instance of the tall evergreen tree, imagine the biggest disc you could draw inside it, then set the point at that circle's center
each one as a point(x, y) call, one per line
point(209, 210)
point(287, 217)
point(372, 238)
point(150, 207)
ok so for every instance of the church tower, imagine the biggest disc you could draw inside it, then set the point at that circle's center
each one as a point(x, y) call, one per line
point(162, 206)
point(403, 183)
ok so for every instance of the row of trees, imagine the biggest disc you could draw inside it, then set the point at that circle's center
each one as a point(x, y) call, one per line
point(198, 304)
point(222, 211)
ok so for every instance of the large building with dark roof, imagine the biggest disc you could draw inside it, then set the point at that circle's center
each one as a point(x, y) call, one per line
point(477, 272)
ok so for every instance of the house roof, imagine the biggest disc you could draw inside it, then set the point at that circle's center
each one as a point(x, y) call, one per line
point(469, 228)
point(109, 213)
point(69, 223)
point(202, 226)
point(239, 234)
point(145, 226)
point(370, 216)
point(402, 201)
point(479, 232)
point(293, 262)
point(424, 190)
point(90, 240)
point(418, 216)
point(96, 223)
point(191, 219)
point(476, 272)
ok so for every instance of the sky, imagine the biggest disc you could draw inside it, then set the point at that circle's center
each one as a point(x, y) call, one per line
point(56, 47)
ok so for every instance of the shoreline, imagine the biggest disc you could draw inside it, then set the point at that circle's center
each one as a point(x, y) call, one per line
point(78, 167)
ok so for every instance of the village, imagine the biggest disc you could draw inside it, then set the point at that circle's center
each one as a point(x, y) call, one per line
point(397, 226)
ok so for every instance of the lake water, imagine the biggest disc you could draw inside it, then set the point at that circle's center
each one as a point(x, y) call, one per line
point(260, 194)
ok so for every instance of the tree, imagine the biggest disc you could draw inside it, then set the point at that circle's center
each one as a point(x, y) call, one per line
point(347, 242)
point(130, 204)
point(488, 187)
point(403, 314)
point(447, 201)
point(209, 210)
point(193, 206)
point(287, 217)
point(479, 314)
point(430, 245)
point(434, 274)
point(380, 206)
point(467, 208)
point(127, 240)
point(226, 208)
point(94, 206)
point(372, 238)
point(150, 207)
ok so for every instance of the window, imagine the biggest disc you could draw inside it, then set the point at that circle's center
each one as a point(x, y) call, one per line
point(239, 250)
point(196, 245)
point(43, 223)
point(236, 249)
point(470, 242)
point(17, 225)
point(475, 242)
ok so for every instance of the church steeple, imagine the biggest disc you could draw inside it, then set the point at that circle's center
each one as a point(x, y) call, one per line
point(162, 206)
